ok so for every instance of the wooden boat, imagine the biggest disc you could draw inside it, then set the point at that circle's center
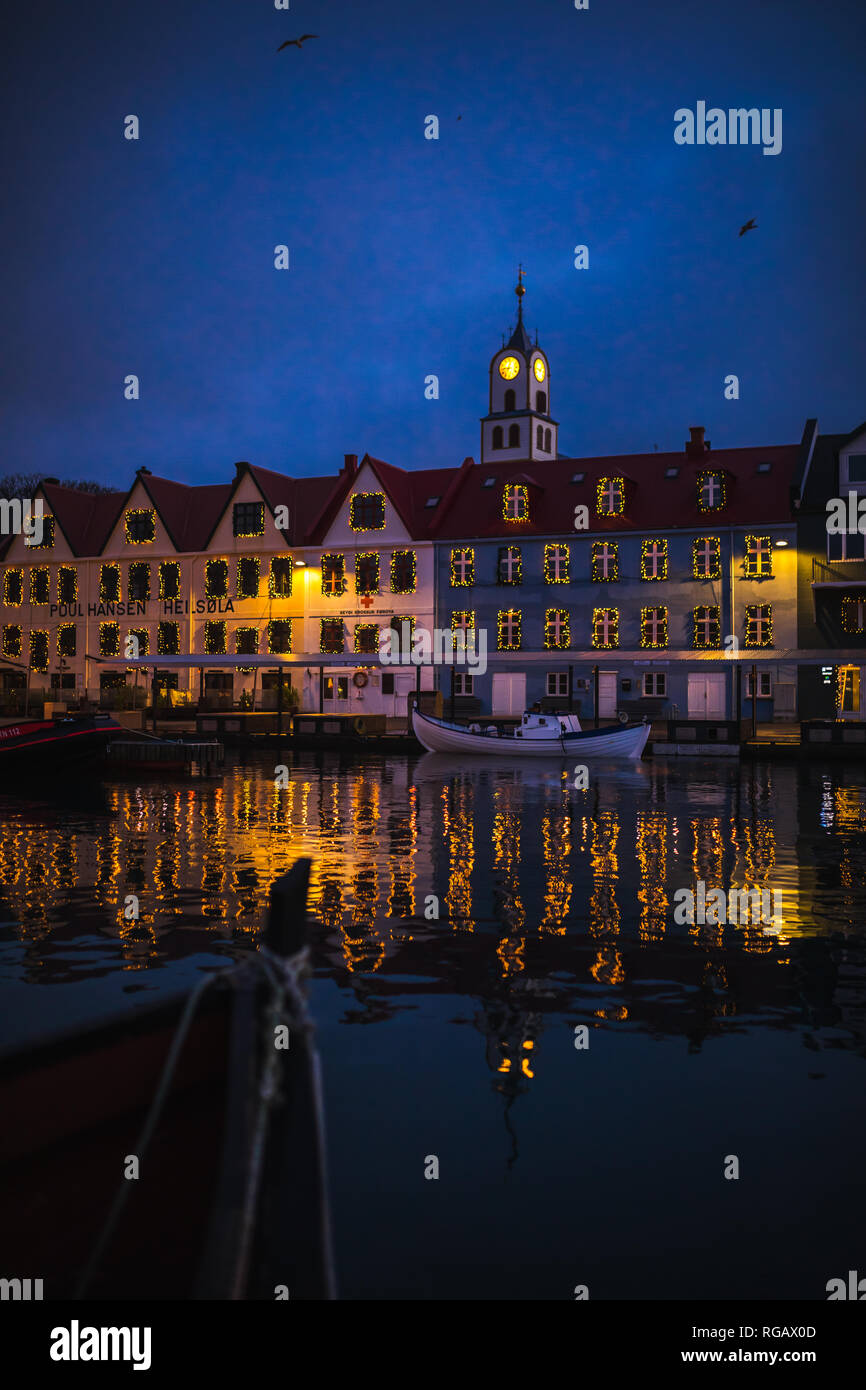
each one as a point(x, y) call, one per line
point(537, 736)
point(230, 1201)
point(55, 742)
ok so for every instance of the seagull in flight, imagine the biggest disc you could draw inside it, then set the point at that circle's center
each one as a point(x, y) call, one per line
point(751, 225)
point(296, 43)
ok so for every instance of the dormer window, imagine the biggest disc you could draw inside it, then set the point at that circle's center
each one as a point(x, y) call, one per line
point(672, 472)
point(764, 467)
point(853, 469)
point(578, 477)
point(610, 496)
point(248, 519)
point(711, 491)
point(140, 526)
point(515, 502)
point(367, 511)
point(488, 482)
point(432, 502)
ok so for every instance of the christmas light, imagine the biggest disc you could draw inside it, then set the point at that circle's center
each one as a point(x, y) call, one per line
point(47, 540)
point(605, 628)
point(67, 584)
point(515, 502)
point(509, 569)
point(366, 638)
point(280, 635)
point(109, 639)
point(367, 572)
point(759, 625)
point(759, 557)
point(853, 610)
point(38, 650)
point(556, 564)
point(333, 576)
point(66, 639)
point(13, 588)
point(707, 626)
point(557, 629)
point(653, 628)
point(142, 521)
point(707, 557)
point(367, 511)
point(711, 490)
point(462, 620)
point(331, 635)
point(216, 578)
point(249, 575)
point(138, 580)
point(610, 496)
point(462, 567)
point(605, 562)
point(40, 582)
point(168, 639)
point(109, 584)
point(215, 637)
point(404, 572)
point(169, 579)
point(508, 630)
point(280, 577)
point(654, 555)
point(142, 636)
point(12, 640)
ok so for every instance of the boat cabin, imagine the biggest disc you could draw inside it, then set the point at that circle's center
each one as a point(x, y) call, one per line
point(551, 725)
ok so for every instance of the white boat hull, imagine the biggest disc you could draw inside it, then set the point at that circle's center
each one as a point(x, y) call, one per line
point(437, 736)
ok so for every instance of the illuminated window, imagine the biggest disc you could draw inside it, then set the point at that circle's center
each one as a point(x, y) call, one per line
point(557, 629)
point(246, 641)
point(249, 574)
point(40, 580)
point(654, 560)
point(610, 496)
point(515, 502)
point(47, 541)
point(605, 628)
point(462, 567)
point(12, 640)
point(138, 581)
point(508, 630)
point(759, 557)
point(654, 627)
point(66, 640)
point(215, 638)
point(331, 636)
point(280, 635)
point(366, 638)
point(280, 577)
point(367, 511)
point(216, 578)
point(248, 519)
point(169, 579)
point(853, 614)
point(141, 638)
point(605, 561)
point(109, 639)
point(707, 619)
point(403, 572)
point(39, 651)
point(510, 566)
point(706, 557)
point(556, 564)
point(711, 491)
point(759, 625)
point(140, 526)
point(13, 588)
point(168, 639)
point(462, 621)
point(367, 573)
point(333, 575)
point(109, 584)
point(67, 584)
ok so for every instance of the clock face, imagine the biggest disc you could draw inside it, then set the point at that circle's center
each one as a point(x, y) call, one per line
point(509, 367)
point(539, 369)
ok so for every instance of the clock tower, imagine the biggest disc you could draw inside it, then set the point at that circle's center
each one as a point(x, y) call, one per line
point(519, 425)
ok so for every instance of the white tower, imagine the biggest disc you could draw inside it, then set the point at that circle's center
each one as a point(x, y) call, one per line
point(519, 425)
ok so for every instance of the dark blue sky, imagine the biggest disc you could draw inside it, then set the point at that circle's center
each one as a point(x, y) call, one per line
point(156, 257)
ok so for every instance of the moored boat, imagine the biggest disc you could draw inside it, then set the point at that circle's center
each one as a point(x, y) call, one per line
point(76, 738)
point(229, 1201)
point(537, 736)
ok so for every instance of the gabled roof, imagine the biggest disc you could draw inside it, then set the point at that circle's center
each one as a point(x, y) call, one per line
point(406, 491)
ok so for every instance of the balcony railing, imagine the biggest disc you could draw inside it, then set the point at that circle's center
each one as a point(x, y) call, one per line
point(838, 572)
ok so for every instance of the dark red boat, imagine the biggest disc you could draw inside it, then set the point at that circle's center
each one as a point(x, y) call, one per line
point(74, 738)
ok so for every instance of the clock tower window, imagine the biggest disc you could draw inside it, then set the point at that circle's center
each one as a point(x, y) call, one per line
point(510, 399)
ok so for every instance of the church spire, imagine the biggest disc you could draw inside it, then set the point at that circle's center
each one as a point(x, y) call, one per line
point(520, 339)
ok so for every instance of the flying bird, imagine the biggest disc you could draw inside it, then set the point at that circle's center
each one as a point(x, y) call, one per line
point(460, 118)
point(289, 43)
point(750, 226)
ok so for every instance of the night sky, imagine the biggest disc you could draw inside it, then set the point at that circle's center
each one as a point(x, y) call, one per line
point(156, 257)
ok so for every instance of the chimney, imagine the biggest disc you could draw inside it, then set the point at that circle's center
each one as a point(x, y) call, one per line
point(350, 465)
point(142, 472)
point(697, 446)
point(239, 468)
point(52, 480)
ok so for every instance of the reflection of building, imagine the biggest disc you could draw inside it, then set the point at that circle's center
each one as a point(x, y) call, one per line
point(831, 575)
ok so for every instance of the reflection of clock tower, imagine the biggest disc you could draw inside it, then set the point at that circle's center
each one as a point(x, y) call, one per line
point(519, 425)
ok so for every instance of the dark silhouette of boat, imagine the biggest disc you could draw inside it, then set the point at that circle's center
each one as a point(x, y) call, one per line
point(55, 743)
point(230, 1199)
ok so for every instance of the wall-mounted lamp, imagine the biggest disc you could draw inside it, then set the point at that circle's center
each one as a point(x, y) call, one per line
point(781, 544)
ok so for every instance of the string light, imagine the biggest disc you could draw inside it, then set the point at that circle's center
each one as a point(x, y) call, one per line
point(462, 620)
point(331, 636)
point(40, 582)
point(139, 570)
point(707, 480)
point(510, 567)
point(168, 639)
point(515, 502)
point(142, 636)
point(13, 588)
point(216, 578)
point(109, 592)
point(366, 638)
point(12, 640)
point(508, 630)
point(557, 629)
point(853, 610)
point(605, 551)
point(759, 625)
point(66, 639)
point(169, 579)
point(47, 540)
point(707, 563)
point(408, 582)
point(147, 526)
point(246, 641)
point(659, 560)
point(109, 639)
point(605, 619)
point(759, 557)
point(38, 650)
point(336, 565)
point(648, 626)
point(371, 502)
point(370, 583)
point(556, 564)
point(280, 635)
point(280, 577)
point(249, 575)
point(215, 637)
point(62, 581)
point(610, 496)
point(462, 568)
point(707, 626)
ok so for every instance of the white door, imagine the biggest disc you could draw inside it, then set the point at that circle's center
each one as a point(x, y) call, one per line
point(706, 696)
point(509, 693)
point(607, 694)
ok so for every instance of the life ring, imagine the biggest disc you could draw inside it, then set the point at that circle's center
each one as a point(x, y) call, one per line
point(360, 679)
point(622, 717)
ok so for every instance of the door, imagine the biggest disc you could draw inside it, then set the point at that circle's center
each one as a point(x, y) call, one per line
point(509, 693)
point(337, 695)
point(849, 692)
point(706, 696)
point(607, 694)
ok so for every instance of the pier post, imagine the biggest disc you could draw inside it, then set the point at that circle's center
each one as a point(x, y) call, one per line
point(279, 701)
point(595, 694)
point(754, 701)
